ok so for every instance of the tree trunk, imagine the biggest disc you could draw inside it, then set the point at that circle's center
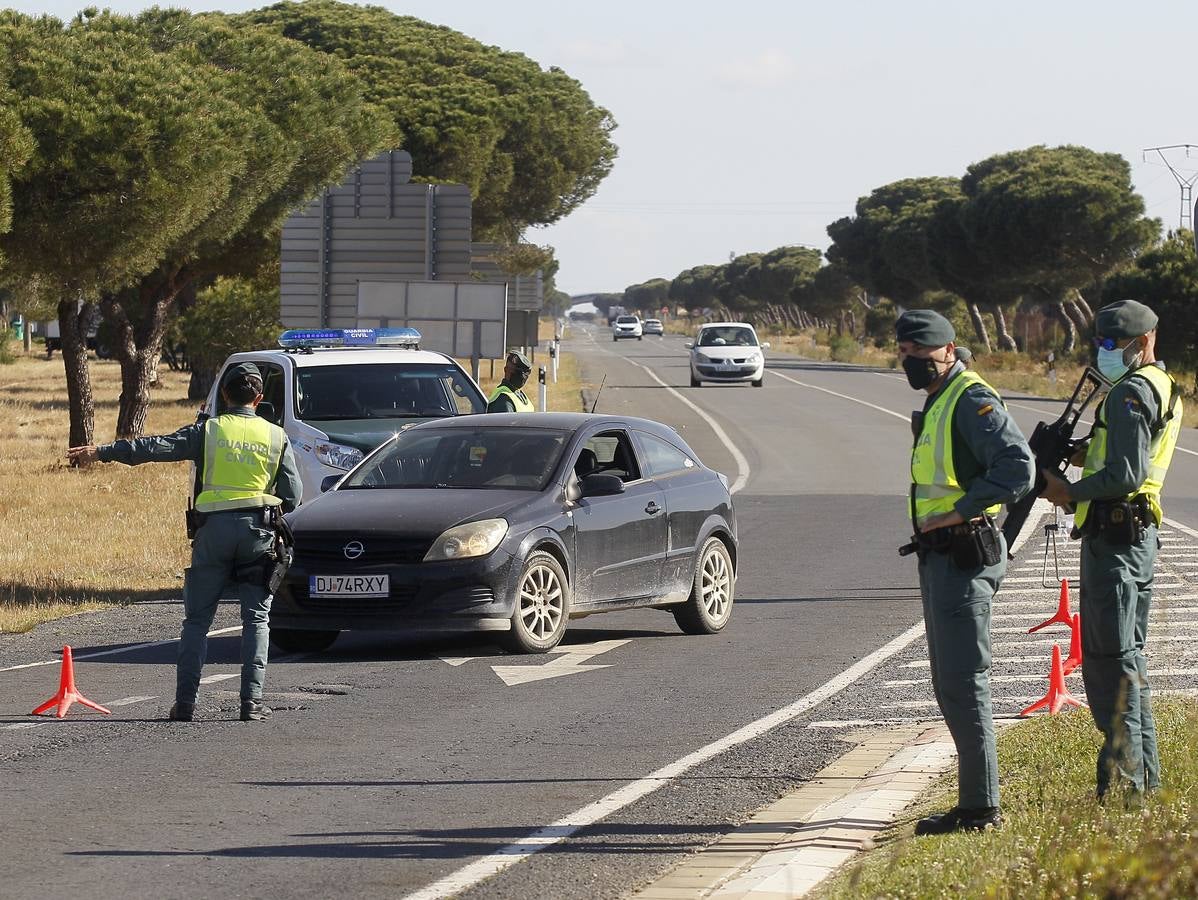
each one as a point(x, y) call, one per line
point(1005, 341)
point(979, 326)
point(1087, 310)
point(71, 328)
point(1058, 310)
point(27, 337)
point(138, 318)
point(1070, 309)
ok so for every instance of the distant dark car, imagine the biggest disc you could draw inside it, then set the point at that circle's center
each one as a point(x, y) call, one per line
point(511, 524)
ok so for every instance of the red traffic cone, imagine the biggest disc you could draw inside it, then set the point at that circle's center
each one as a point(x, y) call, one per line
point(1062, 616)
point(1074, 659)
point(67, 692)
point(1058, 695)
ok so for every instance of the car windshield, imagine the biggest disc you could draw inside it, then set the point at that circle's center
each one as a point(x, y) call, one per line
point(626, 320)
point(385, 391)
point(503, 458)
point(727, 336)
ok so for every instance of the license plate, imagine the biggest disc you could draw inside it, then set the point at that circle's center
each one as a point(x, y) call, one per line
point(349, 585)
point(726, 367)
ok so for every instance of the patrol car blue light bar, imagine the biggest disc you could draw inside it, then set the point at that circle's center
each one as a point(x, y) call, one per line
point(307, 339)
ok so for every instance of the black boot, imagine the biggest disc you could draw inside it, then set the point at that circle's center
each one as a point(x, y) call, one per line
point(182, 712)
point(254, 711)
point(958, 819)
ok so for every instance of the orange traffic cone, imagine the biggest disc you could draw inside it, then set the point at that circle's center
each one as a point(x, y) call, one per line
point(67, 692)
point(1074, 659)
point(1062, 616)
point(1058, 695)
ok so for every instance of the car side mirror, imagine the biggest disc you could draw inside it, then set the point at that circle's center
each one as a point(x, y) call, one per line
point(765, 345)
point(690, 345)
point(329, 482)
point(266, 410)
point(601, 484)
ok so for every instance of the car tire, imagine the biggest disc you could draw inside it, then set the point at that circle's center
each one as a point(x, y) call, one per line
point(640, 337)
point(614, 338)
point(760, 382)
point(695, 382)
point(709, 606)
point(299, 640)
point(542, 606)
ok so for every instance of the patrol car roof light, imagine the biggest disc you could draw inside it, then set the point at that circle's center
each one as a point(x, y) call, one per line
point(310, 338)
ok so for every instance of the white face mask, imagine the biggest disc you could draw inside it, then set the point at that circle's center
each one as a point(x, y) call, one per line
point(1115, 363)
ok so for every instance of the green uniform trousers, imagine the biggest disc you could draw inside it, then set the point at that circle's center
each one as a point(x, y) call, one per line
point(1116, 596)
point(956, 616)
point(225, 541)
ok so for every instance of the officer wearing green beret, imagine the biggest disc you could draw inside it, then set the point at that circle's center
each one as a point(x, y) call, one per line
point(1118, 511)
point(508, 396)
point(244, 470)
point(969, 458)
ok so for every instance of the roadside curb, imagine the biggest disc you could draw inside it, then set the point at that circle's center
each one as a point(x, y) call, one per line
point(792, 845)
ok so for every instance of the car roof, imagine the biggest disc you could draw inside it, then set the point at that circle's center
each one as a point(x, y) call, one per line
point(557, 421)
point(726, 324)
point(340, 356)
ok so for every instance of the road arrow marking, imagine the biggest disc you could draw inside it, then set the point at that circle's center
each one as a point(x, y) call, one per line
point(572, 660)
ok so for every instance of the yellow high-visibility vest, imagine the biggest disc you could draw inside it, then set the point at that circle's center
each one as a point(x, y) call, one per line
point(521, 402)
point(1161, 449)
point(241, 460)
point(936, 489)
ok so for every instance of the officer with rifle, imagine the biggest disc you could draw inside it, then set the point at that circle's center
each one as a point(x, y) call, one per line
point(1118, 511)
point(969, 458)
point(246, 478)
point(508, 395)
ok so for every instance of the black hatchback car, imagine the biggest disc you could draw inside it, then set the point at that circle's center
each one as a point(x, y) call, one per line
point(512, 524)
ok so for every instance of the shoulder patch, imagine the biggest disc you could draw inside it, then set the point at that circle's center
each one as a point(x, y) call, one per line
point(986, 410)
point(1131, 404)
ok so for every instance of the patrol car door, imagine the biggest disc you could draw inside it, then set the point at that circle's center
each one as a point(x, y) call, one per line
point(620, 539)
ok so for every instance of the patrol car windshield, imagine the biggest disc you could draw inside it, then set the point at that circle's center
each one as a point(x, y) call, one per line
point(727, 337)
point(384, 391)
point(463, 458)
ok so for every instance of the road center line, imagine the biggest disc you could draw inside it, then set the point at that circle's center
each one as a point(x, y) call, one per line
point(881, 409)
point(487, 866)
point(128, 649)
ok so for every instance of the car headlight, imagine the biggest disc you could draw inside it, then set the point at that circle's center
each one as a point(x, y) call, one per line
point(754, 358)
point(700, 358)
point(468, 540)
point(338, 456)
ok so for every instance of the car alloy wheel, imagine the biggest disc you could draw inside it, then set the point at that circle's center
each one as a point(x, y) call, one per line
point(542, 606)
point(709, 606)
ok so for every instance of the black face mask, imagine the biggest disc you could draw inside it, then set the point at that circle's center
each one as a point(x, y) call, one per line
point(920, 371)
point(518, 380)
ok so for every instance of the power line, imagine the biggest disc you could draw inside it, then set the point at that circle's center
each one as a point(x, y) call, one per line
point(1184, 182)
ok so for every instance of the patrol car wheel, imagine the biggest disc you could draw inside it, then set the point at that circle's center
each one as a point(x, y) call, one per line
point(695, 382)
point(542, 606)
point(709, 606)
point(760, 382)
point(614, 339)
point(297, 640)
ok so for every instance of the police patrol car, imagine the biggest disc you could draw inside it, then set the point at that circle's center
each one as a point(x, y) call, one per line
point(340, 392)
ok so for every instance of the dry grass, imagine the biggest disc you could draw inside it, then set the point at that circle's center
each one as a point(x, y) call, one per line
point(78, 540)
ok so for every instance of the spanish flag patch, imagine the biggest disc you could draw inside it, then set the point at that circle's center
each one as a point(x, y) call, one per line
point(986, 410)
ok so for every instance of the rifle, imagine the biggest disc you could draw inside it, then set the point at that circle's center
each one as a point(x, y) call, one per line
point(1052, 446)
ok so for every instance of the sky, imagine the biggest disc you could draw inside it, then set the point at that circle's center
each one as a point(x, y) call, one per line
point(745, 126)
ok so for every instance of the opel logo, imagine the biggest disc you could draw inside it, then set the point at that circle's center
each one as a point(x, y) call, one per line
point(353, 550)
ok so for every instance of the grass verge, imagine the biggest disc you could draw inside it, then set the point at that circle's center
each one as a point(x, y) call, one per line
point(1057, 841)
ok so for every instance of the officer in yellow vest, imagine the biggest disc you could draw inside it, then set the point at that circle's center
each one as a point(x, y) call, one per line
point(244, 468)
point(969, 457)
point(1118, 511)
point(508, 396)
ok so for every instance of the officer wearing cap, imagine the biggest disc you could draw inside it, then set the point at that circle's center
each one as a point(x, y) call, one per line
point(1118, 511)
point(244, 467)
point(508, 396)
point(968, 458)
point(964, 356)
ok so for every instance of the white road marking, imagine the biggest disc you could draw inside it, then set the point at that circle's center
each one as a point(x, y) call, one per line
point(1159, 613)
point(129, 649)
point(742, 464)
point(571, 661)
point(859, 723)
point(457, 660)
point(1177, 526)
point(128, 701)
point(881, 409)
point(212, 679)
point(487, 866)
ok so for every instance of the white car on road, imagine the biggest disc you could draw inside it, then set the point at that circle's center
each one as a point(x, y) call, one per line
point(727, 351)
point(626, 327)
point(653, 326)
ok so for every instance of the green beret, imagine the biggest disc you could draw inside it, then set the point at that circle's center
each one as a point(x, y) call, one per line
point(519, 360)
point(965, 355)
point(241, 370)
point(925, 327)
point(1124, 319)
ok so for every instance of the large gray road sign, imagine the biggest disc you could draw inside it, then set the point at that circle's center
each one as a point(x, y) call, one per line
point(461, 319)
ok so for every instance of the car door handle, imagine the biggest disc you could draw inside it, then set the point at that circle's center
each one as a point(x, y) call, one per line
point(652, 509)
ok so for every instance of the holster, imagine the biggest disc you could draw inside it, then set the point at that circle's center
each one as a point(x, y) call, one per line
point(972, 545)
point(1122, 522)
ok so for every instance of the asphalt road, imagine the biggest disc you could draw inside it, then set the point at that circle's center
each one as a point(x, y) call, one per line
point(395, 767)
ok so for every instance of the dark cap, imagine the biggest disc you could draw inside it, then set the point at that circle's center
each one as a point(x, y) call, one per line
point(964, 354)
point(1124, 319)
point(925, 327)
point(242, 370)
point(519, 360)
